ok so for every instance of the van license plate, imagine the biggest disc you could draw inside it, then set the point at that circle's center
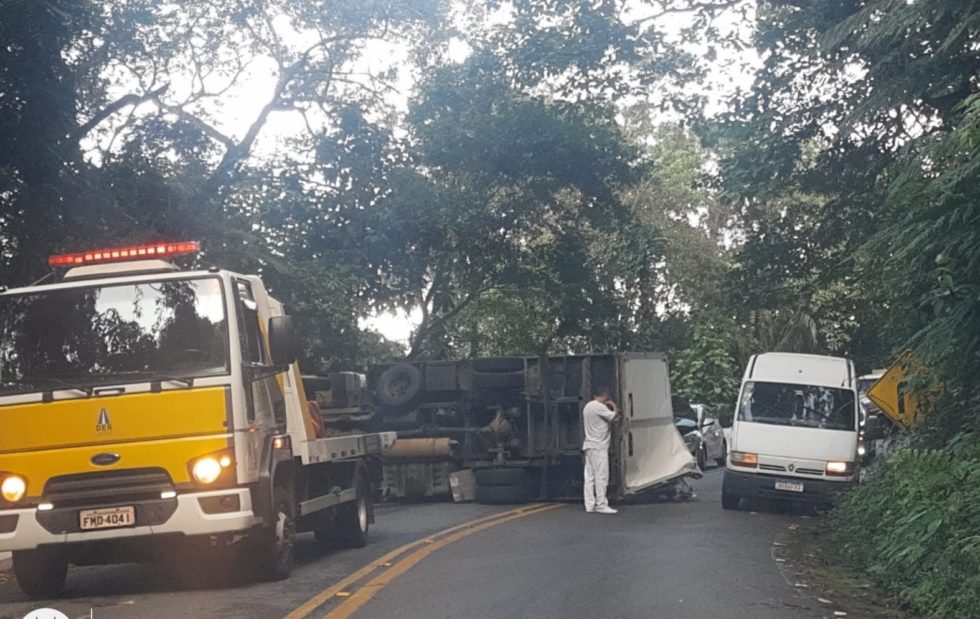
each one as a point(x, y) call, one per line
point(110, 518)
point(789, 486)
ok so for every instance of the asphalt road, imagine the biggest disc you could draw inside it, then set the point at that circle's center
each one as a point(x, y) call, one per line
point(687, 559)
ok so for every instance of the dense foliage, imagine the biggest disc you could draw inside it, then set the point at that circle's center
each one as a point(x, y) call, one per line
point(502, 200)
point(854, 163)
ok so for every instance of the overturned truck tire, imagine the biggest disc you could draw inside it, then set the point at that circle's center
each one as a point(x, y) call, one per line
point(398, 385)
point(502, 486)
point(502, 495)
point(501, 477)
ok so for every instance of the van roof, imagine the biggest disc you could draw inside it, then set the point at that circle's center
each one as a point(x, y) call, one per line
point(801, 369)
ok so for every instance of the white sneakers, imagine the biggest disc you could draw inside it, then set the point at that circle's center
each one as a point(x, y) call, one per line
point(603, 510)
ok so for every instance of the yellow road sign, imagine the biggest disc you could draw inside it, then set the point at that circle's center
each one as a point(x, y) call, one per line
point(893, 395)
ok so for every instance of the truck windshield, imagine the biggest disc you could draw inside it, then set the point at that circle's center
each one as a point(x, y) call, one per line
point(78, 338)
point(806, 406)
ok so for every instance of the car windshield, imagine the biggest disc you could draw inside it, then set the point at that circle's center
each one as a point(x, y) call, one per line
point(807, 406)
point(77, 338)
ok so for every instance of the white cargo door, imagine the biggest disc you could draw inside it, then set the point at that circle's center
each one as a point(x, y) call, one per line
point(652, 450)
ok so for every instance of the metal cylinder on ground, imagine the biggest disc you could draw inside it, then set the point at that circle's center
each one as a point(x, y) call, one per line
point(410, 448)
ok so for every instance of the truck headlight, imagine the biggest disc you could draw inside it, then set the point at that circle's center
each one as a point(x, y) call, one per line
point(206, 470)
point(13, 488)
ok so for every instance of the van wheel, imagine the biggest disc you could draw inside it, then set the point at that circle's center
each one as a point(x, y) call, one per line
point(354, 518)
point(276, 542)
point(729, 500)
point(41, 573)
point(724, 454)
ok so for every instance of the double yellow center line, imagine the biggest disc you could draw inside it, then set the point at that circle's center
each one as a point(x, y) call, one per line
point(379, 573)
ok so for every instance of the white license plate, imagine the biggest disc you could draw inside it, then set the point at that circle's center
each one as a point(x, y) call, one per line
point(109, 518)
point(789, 486)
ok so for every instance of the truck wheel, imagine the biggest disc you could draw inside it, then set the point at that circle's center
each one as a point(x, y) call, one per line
point(500, 477)
point(502, 495)
point(354, 518)
point(276, 543)
point(724, 454)
point(399, 384)
point(499, 364)
point(729, 500)
point(41, 573)
point(498, 380)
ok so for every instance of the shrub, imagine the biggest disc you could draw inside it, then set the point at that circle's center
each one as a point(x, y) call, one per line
point(914, 528)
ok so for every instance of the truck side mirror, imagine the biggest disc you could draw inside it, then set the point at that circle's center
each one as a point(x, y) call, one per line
point(726, 419)
point(282, 340)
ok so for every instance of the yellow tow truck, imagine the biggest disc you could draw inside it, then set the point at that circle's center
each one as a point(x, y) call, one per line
point(145, 408)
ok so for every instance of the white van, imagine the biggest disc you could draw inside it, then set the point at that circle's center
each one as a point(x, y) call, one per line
point(795, 432)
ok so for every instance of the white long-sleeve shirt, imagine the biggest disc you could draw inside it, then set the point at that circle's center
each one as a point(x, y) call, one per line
point(596, 419)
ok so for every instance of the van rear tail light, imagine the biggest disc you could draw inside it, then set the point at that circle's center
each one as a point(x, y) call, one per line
point(741, 458)
point(124, 254)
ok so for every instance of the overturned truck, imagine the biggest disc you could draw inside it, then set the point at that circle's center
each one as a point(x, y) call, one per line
point(515, 422)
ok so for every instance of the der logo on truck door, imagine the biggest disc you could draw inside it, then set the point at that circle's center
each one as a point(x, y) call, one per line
point(103, 425)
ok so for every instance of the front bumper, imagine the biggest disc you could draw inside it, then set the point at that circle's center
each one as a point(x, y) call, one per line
point(26, 529)
point(763, 486)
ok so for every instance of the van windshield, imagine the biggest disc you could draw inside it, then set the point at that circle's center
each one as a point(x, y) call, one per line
point(82, 337)
point(806, 406)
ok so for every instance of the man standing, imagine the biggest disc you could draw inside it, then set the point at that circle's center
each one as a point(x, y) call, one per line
point(597, 419)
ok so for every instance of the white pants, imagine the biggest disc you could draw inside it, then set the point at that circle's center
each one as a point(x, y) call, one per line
point(596, 478)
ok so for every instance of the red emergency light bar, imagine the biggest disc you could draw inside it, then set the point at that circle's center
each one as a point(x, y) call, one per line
point(123, 254)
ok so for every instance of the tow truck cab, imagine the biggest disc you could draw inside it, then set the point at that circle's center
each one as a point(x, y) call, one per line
point(795, 432)
point(143, 407)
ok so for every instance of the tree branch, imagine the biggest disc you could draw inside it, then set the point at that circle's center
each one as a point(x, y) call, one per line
point(112, 108)
point(689, 8)
point(205, 128)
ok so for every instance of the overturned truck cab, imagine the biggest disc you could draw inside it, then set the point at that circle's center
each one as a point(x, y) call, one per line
point(516, 422)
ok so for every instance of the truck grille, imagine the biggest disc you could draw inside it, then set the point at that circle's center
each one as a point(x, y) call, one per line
point(104, 487)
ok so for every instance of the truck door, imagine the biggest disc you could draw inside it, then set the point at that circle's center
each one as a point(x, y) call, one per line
point(651, 451)
point(264, 403)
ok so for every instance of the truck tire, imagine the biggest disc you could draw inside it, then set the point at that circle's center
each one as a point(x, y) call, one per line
point(502, 495)
point(41, 573)
point(501, 477)
point(498, 380)
point(729, 500)
point(354, 519)
point(499, 364)
point(275, 544)
point(398, 385)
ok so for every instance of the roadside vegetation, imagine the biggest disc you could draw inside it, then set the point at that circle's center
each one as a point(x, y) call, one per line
point(560, 176)
point(856, 161)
